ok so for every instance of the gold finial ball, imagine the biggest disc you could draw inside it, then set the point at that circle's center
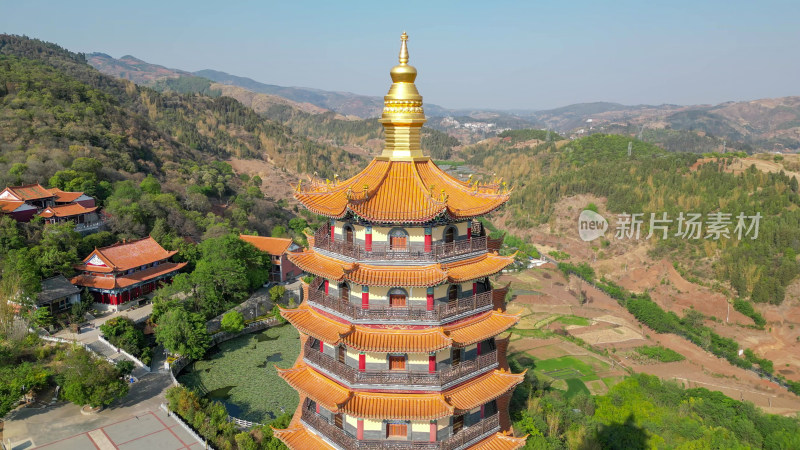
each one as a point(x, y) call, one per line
point(403, 73)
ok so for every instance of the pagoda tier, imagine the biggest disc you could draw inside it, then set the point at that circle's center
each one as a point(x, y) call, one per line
point(460, 271)
point(398, 339)
point(391, 191)
point(399, 406)
point(301, 437)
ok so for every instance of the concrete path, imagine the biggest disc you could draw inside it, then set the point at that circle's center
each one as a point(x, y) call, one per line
point(135, 422)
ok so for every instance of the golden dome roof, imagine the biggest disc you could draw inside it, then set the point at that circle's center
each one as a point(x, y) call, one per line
point(403, 115)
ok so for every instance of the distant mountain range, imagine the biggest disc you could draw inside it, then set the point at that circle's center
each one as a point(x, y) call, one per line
point(765, 124)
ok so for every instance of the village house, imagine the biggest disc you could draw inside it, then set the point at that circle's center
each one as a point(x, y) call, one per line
point(54, 205)
point(58, 294)
point(125, 271)
point(282, 269)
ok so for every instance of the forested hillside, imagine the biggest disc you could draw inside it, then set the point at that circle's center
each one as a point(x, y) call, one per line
point(653, 180)
point(154, 161)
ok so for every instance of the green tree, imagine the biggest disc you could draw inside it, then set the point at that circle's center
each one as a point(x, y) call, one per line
point(41, 317)
point(10, 236)
point(57, 251)
point(233, 322)
point(183, 333)
point(20, 281)
point(122, 332)
point(276, 293)
point(12, 380)
point(86, 380)
point(18, 170)
point(278, 231)
point(150, 185)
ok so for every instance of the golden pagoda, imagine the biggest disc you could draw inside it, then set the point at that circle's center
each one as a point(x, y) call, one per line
point(399, 326)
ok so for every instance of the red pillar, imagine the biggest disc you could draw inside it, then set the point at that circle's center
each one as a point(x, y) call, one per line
point(365, 297)
point(327, 284)
point(428, 239)
point(474, 288)
point(432, 437)
point(333, 230)
point(479, 349)
point(432, 363)
point(360, 429)
point(429, 298)
point(321, 346)
point(362, 362)
point(469, 229)
point(368, 239)
point(483, 411)
point(317, 408)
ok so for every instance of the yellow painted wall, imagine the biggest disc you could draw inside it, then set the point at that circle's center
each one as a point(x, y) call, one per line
point(373, 357)
point(372, 424)
point(382, 292)
point(444, 422)
point(421, 427)
point(418, 358)
point(443, 354)
point(352, 421)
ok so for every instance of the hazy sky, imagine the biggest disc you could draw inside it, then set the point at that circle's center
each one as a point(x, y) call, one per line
point(488, 54)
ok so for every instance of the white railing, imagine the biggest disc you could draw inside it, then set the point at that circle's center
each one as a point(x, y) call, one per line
point(128, 355)
point(186, 427)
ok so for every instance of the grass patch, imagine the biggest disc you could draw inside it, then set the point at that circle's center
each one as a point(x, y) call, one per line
point(575, 387)
point(574, 320)
point(612, 381)
point(241, 374)
point(659, 353)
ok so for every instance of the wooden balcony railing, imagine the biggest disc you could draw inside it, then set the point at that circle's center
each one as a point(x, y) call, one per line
point(351, 375)
point(343, 439)
point(415, 251)
point(440, 312)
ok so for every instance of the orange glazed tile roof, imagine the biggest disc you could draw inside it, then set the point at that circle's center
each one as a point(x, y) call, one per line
point(390, 340)
point(401, 192)
point(483, 389)
point(501, 441)
point(313, 324)
point(125, 255)
point(29, 192)
point(372, 405)
point(108, 282)
point(9, 206)
point(72, 209)
point(403, 406)
point(324, 391)
point(422, 276)
point(271, 245)
point(298, 437)
point(64, 196)
point(400, 339)
point(481, 327)
point(477, 267)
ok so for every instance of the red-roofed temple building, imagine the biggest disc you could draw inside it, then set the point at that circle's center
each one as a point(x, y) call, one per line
point(282, 268)
point(399, 329)
point(125, 271)
point(55, 205)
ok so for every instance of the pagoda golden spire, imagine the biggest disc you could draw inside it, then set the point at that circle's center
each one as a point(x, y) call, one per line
point(403, 115)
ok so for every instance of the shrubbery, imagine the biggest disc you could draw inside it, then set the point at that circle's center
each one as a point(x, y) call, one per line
point(746, 308)
point(659, 353)
point(210, 419)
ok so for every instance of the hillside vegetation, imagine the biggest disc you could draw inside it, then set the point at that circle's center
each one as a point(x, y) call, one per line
point(653, 180)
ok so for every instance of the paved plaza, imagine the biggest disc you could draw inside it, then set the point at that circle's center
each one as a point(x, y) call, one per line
point(149, 431)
